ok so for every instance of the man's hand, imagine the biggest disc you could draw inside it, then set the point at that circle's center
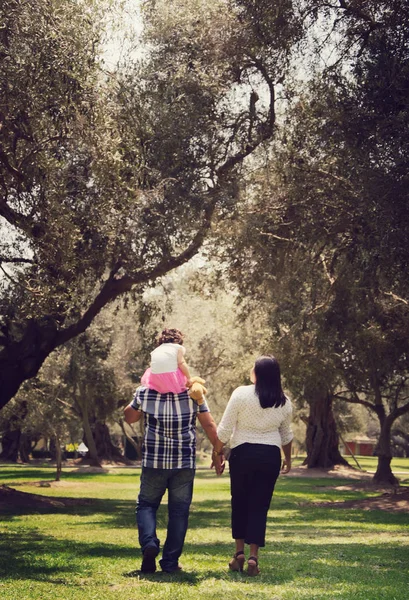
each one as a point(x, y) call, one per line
point(218, 462)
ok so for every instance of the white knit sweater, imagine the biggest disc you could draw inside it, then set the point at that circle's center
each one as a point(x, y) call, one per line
point(245, 421)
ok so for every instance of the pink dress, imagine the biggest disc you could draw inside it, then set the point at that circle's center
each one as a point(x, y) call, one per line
point(164, 375)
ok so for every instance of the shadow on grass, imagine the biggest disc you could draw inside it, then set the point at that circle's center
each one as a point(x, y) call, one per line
point(216, 513)
point(30, 475)
point(310, 553)
point(18, 475)
point(189, 577)
point(30, 555)
point(346, 519)
point(114, 513)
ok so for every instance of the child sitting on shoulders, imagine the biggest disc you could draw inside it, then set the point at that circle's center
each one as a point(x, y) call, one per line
point(168, 371)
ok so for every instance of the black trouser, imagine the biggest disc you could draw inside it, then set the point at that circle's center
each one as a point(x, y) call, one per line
point(254, 469)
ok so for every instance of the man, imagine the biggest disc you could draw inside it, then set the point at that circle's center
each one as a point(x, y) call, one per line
point(168, 463)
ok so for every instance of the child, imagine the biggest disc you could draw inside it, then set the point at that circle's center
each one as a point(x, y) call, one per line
point(168, 371)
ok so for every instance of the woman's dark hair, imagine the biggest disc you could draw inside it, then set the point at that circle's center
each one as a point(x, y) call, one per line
point(268, 382)
point(173, 336)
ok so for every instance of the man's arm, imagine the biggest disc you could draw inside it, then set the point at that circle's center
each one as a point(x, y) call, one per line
point(210, 428)
point(132, 415)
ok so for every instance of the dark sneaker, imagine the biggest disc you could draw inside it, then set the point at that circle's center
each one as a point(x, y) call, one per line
point(148, 560)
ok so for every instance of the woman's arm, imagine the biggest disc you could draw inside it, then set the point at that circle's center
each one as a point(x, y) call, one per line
point(286, 467)
point(286, 434)
point(229, 419)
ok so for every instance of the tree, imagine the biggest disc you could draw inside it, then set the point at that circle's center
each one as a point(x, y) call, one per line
point(330, 232)
point(101, 172)
point(35, 414)
point(12, 439)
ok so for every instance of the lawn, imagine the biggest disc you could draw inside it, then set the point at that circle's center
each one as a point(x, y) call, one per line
point(91, 551)
point(369, 463)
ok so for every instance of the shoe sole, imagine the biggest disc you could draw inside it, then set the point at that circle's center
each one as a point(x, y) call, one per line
point(148, 561)
point(178, 569)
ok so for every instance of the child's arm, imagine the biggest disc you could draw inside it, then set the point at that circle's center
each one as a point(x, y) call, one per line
point(182, 364)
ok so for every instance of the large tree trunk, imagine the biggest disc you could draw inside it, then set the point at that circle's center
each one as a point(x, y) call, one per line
point(384, 473)
point(322, 437)
point(26, 348)
point(27, 345)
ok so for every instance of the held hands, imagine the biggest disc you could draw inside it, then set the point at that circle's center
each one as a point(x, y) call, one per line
point(218, 462)
point(286, 466)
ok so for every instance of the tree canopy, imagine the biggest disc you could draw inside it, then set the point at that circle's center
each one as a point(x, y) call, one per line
point(111, 179)
point(325, 226)
point(277, 131)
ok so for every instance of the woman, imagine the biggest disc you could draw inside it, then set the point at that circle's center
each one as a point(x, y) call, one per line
point(257, 422)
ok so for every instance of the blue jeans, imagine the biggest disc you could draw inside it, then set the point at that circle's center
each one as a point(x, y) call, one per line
point(154, 483)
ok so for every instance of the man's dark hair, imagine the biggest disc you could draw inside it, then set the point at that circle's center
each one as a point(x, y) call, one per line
point(268, 382)
point(173, 336)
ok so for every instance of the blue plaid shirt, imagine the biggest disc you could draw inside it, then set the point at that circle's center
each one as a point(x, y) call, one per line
point(170, 428)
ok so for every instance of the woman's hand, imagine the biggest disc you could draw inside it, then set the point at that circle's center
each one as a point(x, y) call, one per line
point(218, 462)
point(286, 466)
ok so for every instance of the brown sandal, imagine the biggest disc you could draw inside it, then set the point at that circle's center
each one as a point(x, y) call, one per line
point(252, 569)
point(237, 562)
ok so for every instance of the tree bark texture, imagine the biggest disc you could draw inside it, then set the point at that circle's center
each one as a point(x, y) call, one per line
point(23, 354)
point(10, 442)
point(105, 448)
point(89, 438)
point(25, 448)
point(384, 473)
point(322, 437)
point(58, 458)
point(13, 440)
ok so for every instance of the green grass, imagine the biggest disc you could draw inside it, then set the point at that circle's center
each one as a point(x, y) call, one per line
point(369, 463)
point(91, 551)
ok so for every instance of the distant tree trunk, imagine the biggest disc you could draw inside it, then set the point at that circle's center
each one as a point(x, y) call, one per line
point(52, 449)
point(11, 438)
point(10, 442)
point(384, 473)
point(322, 437)
point(105, 448)
point(58, 457)
point(24, 448)
point(90, 442)
point(136, 445)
